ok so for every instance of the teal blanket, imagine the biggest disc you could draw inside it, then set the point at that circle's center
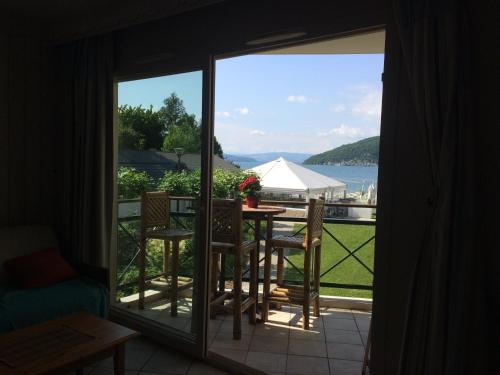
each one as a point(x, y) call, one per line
point(23, 307)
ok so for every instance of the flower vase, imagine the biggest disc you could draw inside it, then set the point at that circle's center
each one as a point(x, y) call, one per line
point(252, 201)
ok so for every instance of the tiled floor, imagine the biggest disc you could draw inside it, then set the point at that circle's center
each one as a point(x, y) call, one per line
point(335, 344)
point(147, 358)
point(159, 311)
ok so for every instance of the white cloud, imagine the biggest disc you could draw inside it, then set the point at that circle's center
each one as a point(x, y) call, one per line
point(223, 114)
point(243, 110)
point(234, 138)
point(344, 131)
point(257, 132)
point(296, 98)
point(339, 108)
point(368, 101)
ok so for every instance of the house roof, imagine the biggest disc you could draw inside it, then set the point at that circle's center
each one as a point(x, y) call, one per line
point(283, 176)
point(155, 163)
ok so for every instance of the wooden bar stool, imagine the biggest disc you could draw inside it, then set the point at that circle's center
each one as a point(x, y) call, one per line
point(227, 225)
point(311, 244)
point(155, 224)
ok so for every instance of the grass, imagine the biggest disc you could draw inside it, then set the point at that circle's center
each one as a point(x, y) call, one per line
point(349, 271)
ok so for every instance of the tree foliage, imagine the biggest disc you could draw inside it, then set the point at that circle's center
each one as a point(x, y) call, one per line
point(168, 128)
point(139, 128)
point(361, 152)
point(131, 183)
point(226, 184)
point(184, 183)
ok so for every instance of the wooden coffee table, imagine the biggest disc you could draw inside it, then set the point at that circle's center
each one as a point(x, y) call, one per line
point(63, 345)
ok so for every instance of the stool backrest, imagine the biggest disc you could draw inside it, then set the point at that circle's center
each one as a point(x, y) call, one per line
point(155, 210)
point(315, 215)
point(227, 222)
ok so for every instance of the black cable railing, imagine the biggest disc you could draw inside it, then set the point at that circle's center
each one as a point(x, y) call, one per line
point(177, 216)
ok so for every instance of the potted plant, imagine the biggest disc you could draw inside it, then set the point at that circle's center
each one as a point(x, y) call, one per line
point(249, 189)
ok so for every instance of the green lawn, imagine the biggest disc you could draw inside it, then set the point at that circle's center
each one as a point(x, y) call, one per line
point(349, 271)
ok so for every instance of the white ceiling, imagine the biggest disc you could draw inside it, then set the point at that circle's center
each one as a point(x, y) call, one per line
point(368, 42)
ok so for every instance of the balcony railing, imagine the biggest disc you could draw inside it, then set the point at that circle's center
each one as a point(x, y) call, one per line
point(337, 249)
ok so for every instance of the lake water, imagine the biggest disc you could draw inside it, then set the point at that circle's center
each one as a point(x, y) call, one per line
point(356, 178)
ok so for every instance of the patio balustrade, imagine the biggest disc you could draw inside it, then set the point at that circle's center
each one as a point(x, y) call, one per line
point(182, 213)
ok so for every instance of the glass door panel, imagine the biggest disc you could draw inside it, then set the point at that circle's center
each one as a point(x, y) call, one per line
point(159, 286)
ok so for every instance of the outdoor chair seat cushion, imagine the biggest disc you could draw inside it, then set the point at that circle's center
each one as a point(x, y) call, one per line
point(229, 247)
point(23, 307)
point(295, 242)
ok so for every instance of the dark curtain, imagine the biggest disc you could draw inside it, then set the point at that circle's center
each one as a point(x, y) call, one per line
point(445, 295)
point(84, 107)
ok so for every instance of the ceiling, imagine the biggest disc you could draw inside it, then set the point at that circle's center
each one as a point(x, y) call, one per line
point(363, 43)
point(66, 19)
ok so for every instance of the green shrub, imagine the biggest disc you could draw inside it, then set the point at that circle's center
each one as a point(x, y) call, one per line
point(131, 183)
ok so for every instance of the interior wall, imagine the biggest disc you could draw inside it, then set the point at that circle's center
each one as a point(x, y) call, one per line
point(26, 149)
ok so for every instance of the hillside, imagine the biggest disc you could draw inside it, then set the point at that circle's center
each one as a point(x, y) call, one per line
point(238, 158)
point(269, 156)
point(359, 153)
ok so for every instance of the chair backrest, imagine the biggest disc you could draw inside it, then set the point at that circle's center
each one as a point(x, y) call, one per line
point(155, 210)
point(227, 222)
point(315, 215)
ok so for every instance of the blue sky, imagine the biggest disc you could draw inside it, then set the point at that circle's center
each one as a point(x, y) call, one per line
point(293, 103)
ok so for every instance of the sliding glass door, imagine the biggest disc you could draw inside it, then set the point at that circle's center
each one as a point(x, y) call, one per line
point(164, 132)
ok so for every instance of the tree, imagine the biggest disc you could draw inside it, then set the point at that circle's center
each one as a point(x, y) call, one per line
point(181, 128)
point(139, 128)
point(166, 129)
point(185, 137)
point(173, 113)
point(218, 148)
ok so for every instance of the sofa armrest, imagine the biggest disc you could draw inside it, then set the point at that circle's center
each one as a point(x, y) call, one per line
point(96, 273)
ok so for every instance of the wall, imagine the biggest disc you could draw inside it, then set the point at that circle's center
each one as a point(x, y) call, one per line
point(26, 151)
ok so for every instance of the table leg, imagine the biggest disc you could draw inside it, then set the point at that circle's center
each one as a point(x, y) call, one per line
point(166, 254)
point(119, 359)
point(142, 272)
point(267, 268)
point(255, 292)
point(175, 277)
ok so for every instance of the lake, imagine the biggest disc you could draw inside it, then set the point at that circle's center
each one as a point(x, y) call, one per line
point(355, 177)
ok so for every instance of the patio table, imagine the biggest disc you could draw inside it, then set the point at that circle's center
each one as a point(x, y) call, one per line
point(257, 215)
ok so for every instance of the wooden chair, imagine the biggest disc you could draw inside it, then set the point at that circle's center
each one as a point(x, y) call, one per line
point(227, 239)
point(155, 224)
point(311, 244)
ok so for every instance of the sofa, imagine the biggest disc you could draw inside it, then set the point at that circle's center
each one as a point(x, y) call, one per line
point(21, 307)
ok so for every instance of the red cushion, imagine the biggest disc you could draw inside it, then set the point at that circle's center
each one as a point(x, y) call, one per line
point(39, 269)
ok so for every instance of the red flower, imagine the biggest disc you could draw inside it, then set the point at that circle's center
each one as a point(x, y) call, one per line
point(248, 181)
point(250, 184)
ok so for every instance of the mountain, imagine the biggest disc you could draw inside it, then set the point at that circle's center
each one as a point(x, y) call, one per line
point(269, 156)
point(359, 153)
point(238, 158)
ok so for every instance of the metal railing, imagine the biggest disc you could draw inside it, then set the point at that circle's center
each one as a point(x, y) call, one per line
point(350, 253)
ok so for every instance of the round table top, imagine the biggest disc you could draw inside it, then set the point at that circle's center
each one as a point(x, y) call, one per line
point(263, 210)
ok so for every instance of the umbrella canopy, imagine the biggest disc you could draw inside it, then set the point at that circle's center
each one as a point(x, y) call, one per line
point(281, 176)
